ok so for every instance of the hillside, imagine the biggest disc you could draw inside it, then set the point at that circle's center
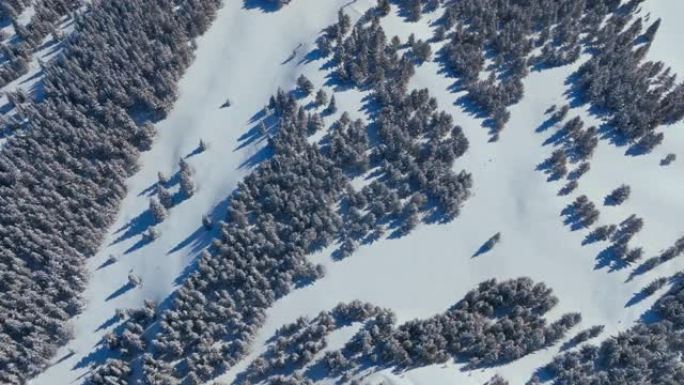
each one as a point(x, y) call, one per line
point(445, 220)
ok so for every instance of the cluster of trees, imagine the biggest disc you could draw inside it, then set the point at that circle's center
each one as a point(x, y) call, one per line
point(420, 50)
point(496, 323)
point(12, 8)
point(112, 372)
point(419, 144)
point(645, 354)
point(16, 53)
point(601, 233)
point(573, 178)
point(299, 201)
point(654, 286)
point(497, 380)
point(283, 210)
point(579, 144)
point(636, 96)
point(506, 33)
point(130, 340)
point(670, 253)
point(61, 182)
point(584, 336)
point(498, 38)
point(364, 57)
point(295, 345)
point(576, 145)
point(581, 213)
point(164, 200)
point(556, 165)
point(419, 148)
point(411, 9)
point(621, 238)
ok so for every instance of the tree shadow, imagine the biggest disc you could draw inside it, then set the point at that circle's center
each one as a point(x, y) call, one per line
point(592, 237)
point(135, 226)
point(196, 151)
point(548, 123)
point(293, 55)
point(255, 134)
point(557, 137)
point(312, 56)
point(149, 190)
point(568, 188)
point(142, 242)
point(266, 6)
point(106, 263)
point(108, 323)
point(258, 116)
point(543, 374)
point(643, 268)
point(573, 218)
point(608, 257)
point(101, 353)
point(65, 357)
point(650, 317)
point(636, 298)
point(33, 77)
point(483, 249)
point(94, 358)
point(610, 201)
point(637, 149)
point(263, 154)
point(201, 237)
point(120, 291)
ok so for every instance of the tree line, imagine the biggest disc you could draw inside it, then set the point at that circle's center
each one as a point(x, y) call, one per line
point(61, 182)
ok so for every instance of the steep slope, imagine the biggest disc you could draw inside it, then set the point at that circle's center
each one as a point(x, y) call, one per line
point(246, 70)
point(423, 272)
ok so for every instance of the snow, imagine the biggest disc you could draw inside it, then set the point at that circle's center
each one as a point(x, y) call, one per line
point(244, 57)
point(246, 68)
point(429, 270)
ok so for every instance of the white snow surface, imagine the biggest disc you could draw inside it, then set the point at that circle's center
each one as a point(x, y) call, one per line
point(242, 57)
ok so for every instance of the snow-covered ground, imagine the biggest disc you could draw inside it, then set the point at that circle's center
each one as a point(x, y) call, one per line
point(244, 57)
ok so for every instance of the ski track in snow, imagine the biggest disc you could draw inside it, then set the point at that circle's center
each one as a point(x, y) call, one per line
point(420, 274)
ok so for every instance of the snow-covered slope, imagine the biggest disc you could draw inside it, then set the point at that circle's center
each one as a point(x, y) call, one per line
point(30, 81)
point(246, 56)
point(247, 69)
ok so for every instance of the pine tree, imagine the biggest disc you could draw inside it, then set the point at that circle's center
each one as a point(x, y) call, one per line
point(187, 187)
point(158, 211)
point(321, 98)
point(207, 222)
point(163, 179)
point(332, 106)
point(305, 85)
point(383, 7)
point(165, 197)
